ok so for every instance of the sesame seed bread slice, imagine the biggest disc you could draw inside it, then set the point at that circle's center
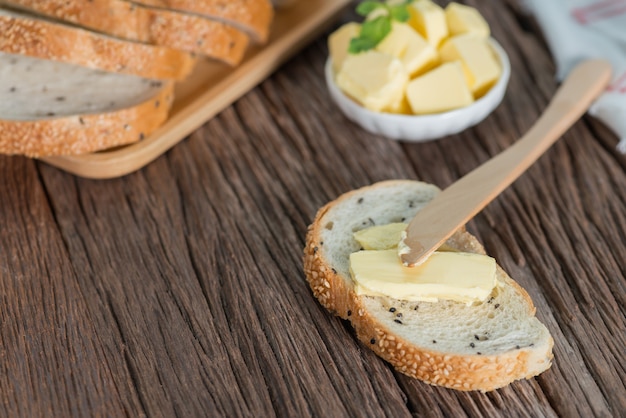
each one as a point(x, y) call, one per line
point(252, 16)
point(37, 37)
point(54, 108)
point(479, 347)
point(126, 20)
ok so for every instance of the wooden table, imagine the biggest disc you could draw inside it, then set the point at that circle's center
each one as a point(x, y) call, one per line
point(178, 290)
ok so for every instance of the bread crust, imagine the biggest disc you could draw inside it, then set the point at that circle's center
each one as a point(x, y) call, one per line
point(253, 16)
point(126, 20)
point(79, 134)
point(42, 39)
point(461, 372)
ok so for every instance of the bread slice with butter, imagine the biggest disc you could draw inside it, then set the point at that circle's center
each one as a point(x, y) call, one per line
point(54, 108)
point(125, 20)
point(477, 346)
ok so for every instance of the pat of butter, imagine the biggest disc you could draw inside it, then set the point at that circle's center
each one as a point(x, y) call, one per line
point(339, 41)
point(439, 90)
point(463, 19)
point(400, 107)
point(410, 47)
point(380, 237)
point(429, 19)
point(374, 79)
point(461, 277)
point(480, 65)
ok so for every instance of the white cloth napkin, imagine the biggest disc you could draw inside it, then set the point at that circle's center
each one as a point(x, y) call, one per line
point(580, 29)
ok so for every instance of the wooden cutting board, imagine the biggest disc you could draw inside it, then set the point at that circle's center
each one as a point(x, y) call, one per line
point(211, 88)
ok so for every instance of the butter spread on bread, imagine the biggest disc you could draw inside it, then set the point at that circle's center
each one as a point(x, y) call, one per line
point(481, 346)
point(462, 277)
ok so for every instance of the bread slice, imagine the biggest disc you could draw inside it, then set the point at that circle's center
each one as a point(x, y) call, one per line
point(54, 108)
point(479, 347)
point(37, 37)
point(252, 16)
point(126, 20)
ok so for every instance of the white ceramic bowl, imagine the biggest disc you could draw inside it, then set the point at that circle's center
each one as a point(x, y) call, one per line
point(423, 127)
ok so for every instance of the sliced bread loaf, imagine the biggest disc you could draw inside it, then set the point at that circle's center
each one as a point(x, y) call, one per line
point(127, 20)
point(483, 346)
point(54, 108)
point(37, 37)
point(253, 16)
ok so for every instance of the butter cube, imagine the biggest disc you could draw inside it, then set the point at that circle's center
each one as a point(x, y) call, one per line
point(429, 20)
point(400, 107)
point(373, 79)
point(480, 65)
point(410, 47)
point(380, 237)
point(439, 90)
point(339, 41)
point(463, 19)
point(457, 276)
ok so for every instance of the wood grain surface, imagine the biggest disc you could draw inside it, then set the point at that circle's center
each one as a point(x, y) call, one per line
point(178, 290)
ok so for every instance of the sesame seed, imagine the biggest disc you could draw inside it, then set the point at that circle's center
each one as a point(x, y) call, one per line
point(472, 345)
point(517, 347)
point(360, 200)
point(496, 306)
point(434, 341)
point(476, 337)
point(349, 313)
point(373, 341)
point(334, 271)
point(399, 314)
point(392, 309)
point(479, 353)
point(397, 321)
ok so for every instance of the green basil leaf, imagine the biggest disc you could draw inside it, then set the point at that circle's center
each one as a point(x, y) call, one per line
point(399, 13)
point(376, 29)
point(367, 7)
point(358, 45)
